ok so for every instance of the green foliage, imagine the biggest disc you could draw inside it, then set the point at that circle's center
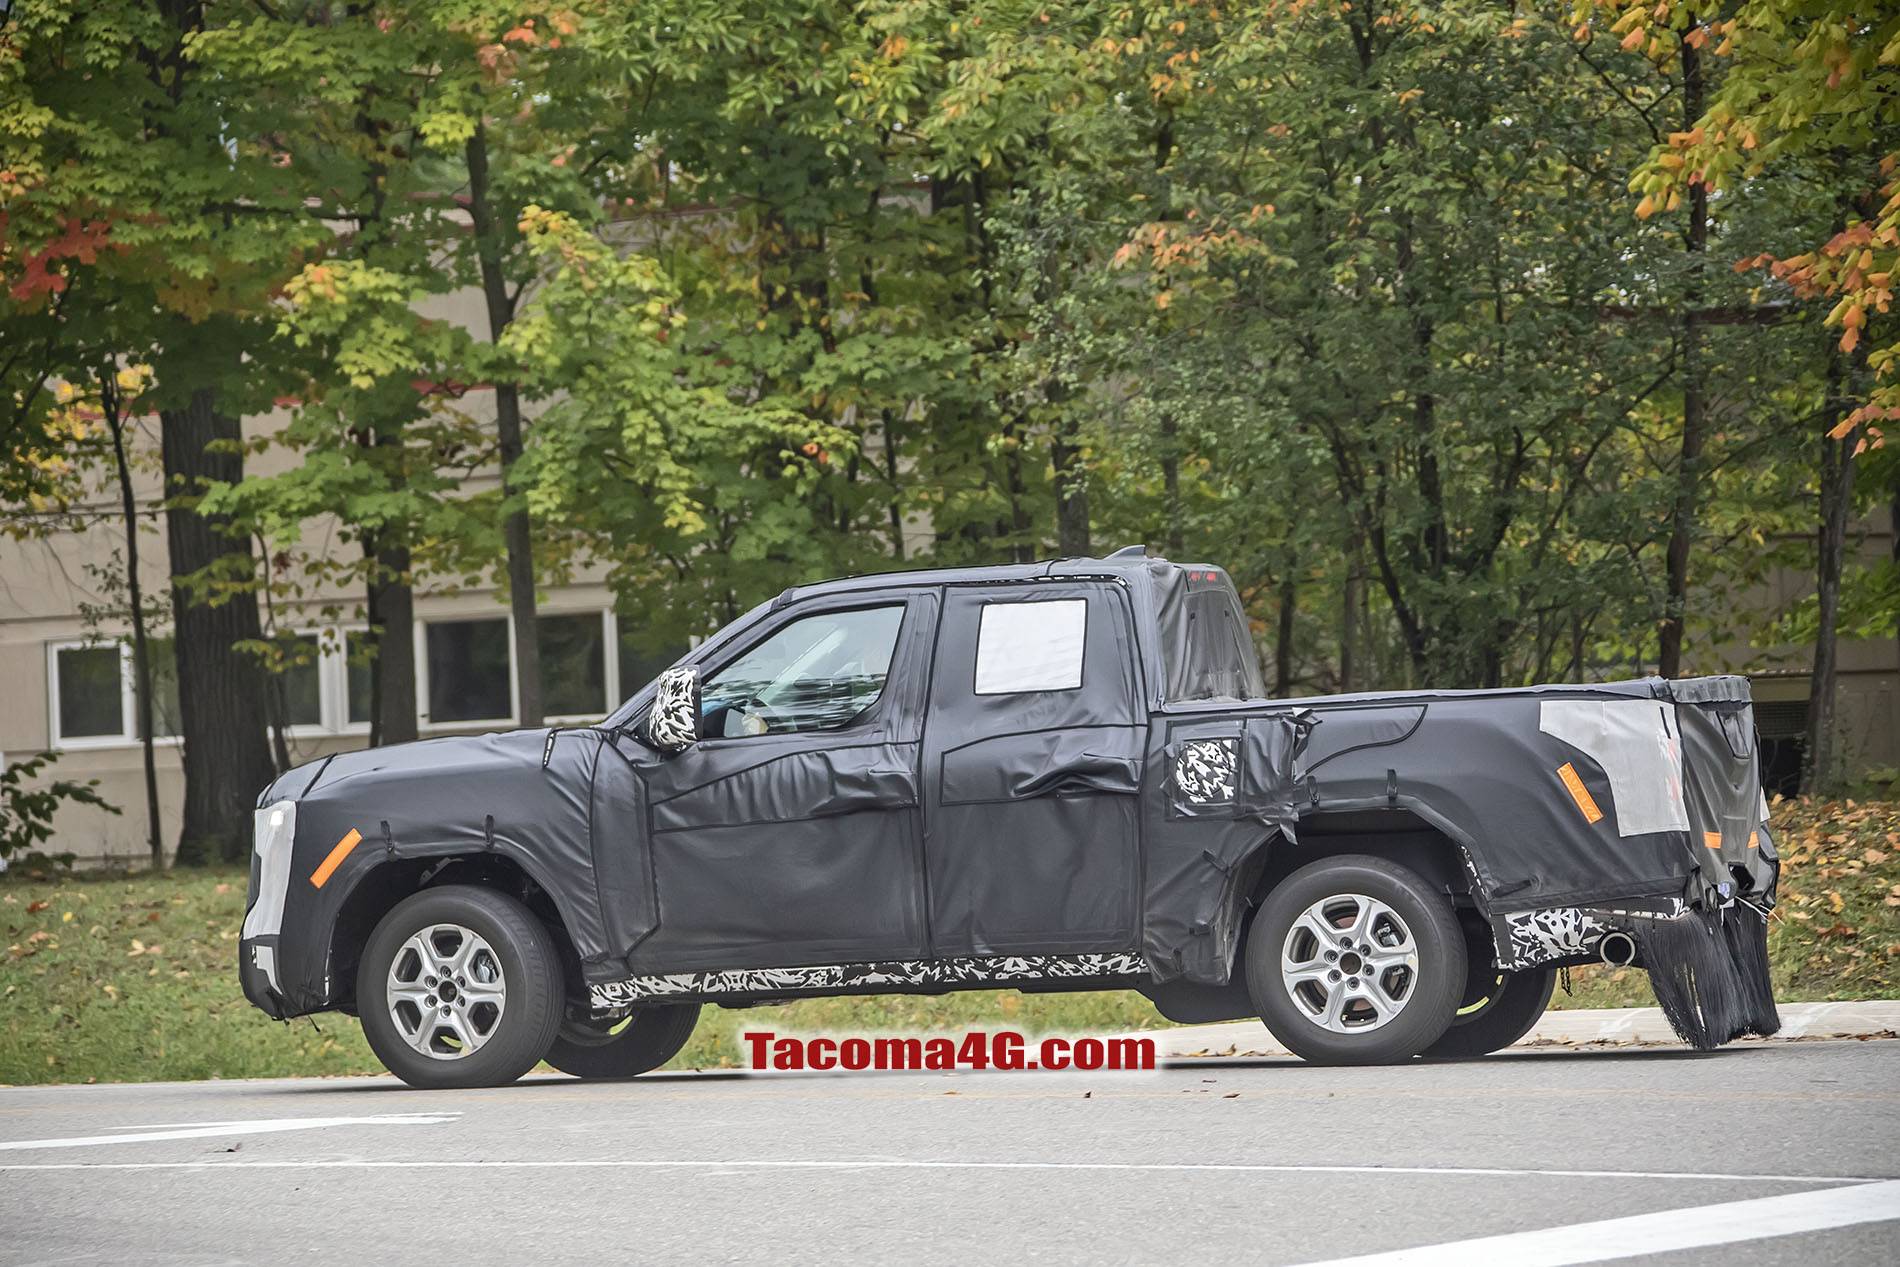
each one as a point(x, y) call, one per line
point(26, 811)
point(1806, 82)
point(1334, 294)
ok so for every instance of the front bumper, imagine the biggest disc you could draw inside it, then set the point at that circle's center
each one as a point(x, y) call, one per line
point(274, 834)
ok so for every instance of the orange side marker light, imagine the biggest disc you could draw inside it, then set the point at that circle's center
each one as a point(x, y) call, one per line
point(321, 875)
point(1579, 793)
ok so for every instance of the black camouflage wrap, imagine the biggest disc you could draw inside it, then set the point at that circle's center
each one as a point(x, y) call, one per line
point(1117, 832)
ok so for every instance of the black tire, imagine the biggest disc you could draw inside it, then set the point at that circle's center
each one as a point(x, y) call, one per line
point(518, 952)
point(649, 1038)
point(1422, 985)
point(1505, 1006)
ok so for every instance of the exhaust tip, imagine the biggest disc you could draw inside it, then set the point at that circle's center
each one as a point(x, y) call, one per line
point(1618, 950)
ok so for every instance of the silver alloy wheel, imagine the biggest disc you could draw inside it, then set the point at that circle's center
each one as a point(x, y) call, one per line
point(446, 991)
point(1349, 963)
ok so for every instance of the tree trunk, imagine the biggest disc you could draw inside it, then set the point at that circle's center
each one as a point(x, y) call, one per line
point(221, 699)
point(1072, 495)
point(392, 640)
point(1837, 500)
point(894, 475)
point(1683, 514)
point(1173, 535)
point(515, 528)
point(1283, 641)
point(1349, 607)
point(112, 407)
point(1021, 548)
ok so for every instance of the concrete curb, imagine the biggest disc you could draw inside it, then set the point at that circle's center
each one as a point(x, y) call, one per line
point(1626, 1026)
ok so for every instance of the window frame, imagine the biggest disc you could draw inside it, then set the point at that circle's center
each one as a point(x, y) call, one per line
point(870, 716)
point(128, 736)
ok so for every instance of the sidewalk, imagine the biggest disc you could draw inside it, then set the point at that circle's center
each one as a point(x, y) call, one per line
point(1625, 1026)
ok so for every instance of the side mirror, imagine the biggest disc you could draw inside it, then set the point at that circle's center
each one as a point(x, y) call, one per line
point(673, 725)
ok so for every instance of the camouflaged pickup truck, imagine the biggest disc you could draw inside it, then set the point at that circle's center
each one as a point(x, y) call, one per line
point(1052, 776)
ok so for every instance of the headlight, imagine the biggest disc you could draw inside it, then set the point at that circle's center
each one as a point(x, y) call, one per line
point(273, 831)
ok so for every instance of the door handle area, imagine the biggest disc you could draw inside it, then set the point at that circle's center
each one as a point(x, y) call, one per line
point(1091, 772)
point(887, 788)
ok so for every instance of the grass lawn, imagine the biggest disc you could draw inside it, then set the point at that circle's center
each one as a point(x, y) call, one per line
point(130, 978)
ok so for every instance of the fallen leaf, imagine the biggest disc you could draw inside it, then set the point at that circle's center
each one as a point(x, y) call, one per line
point(224, 888)
point(34, 908)
point(1873, 857)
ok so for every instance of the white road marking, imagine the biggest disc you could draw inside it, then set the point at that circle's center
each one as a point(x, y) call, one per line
point(1656, 1233)
point(207, 1130)
point(884, 1163)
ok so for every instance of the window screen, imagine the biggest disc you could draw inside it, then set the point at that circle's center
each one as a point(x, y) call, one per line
point(1031, 646)
point(166, 719)
point(358, 685)
point(468, 671)
point(573, 665)
point(91, 692)
point(299, 682)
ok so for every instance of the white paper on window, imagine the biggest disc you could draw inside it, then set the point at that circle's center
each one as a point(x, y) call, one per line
point(1031, 646)
point(1638, 748)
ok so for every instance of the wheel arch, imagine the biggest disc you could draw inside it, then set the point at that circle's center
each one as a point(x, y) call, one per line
point(1408, 834)
point(377, 890)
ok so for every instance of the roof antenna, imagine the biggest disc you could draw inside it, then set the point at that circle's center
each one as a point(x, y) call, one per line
point(1130, 552)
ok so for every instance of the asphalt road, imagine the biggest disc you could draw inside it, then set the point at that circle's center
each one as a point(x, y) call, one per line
point(1263, 1161)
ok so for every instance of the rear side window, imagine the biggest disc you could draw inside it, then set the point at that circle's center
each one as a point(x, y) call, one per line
point(1035, 646)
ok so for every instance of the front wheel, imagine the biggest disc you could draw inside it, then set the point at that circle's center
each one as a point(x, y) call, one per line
point(459, 987)
point(1355, 960)
point(646, 1039)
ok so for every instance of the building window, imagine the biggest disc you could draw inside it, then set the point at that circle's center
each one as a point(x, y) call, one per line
point(165, 717)
point(573, 664)
point(91, 687)
point(469, 668)
point(297, 681)
point(94, 694)
point(359, 700)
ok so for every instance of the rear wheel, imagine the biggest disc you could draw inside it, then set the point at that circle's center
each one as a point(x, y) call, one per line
point(1355, 961)
point(459, 987)
point(1499, 1008)
point(645, 1039)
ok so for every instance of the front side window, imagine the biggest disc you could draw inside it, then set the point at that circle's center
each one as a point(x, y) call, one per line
point(818, 673)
